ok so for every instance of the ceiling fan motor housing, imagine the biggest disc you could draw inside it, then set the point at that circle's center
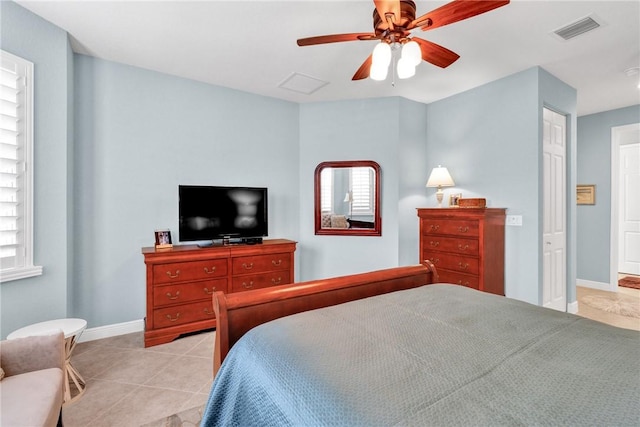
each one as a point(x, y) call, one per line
point(393, 28)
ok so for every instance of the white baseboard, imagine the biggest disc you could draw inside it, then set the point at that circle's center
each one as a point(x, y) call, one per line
point(572, 307)
point(107, 331)
point(594, 285)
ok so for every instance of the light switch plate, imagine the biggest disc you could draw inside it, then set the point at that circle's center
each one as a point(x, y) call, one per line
point(515, 220)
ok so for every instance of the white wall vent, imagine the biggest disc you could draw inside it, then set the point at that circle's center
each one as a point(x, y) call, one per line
point(576, 28)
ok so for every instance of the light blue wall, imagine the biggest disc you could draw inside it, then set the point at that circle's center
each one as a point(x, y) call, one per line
point(45, 297)
point(412, 177)
point(594, 167)
point(490, 140)
point(351, 130)
point(138, 135)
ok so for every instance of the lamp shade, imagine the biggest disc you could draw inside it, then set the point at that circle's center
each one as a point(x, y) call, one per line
point(411, 53)
point(440, 177)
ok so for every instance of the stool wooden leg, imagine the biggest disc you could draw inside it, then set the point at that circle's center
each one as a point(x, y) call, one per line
point(71, 373)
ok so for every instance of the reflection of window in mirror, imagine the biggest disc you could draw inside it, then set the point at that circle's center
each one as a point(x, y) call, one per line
point(347, 198)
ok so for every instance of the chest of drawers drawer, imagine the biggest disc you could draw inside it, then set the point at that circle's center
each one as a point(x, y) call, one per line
point(183, 314)
point(194, 270)
point(451, 244)
point(257, 281)
point(444, 261)
point(461, 279)
point(261, 263)
point(463, 228)
point(185, 292)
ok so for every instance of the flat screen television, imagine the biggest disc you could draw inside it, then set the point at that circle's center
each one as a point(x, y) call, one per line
point(208, 213)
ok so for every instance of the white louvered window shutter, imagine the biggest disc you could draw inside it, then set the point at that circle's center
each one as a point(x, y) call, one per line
point(362, 187)
point(16, 177)
point(326, 193)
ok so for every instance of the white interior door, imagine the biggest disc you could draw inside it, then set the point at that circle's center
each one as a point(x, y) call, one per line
point(554, 253)
point(629, 210)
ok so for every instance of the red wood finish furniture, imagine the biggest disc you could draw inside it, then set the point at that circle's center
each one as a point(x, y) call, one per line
point(466, 245)
point(181, 281)
point(238, 313)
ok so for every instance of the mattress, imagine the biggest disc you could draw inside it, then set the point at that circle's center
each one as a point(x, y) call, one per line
point(434, 355)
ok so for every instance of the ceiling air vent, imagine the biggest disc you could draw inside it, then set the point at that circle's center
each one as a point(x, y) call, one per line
point(576, 28)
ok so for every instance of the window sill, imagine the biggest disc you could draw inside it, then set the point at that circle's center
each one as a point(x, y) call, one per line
point(20, 273)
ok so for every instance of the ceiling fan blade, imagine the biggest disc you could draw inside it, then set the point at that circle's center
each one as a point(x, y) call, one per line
point(334, 38)
point(363, 71)
point(388, 6)
point(436, 54)
point(455, 11)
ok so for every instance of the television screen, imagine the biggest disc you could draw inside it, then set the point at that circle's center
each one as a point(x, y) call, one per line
point(211, 212)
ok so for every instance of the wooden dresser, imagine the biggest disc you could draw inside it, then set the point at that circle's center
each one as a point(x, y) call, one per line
point(466, 245)
point(181, 280)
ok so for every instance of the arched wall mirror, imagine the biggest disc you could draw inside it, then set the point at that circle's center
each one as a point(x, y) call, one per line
point(347, 198)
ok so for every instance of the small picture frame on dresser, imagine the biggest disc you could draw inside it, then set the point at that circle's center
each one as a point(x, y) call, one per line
point(454, 199)
point(163, 239)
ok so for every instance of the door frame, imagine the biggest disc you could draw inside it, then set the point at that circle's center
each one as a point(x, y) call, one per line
point(616, 142)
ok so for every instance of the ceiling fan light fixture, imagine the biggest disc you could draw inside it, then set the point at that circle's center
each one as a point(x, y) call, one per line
point(381, 54)
point(412, 53)
point(378, 72)
point(406, 69)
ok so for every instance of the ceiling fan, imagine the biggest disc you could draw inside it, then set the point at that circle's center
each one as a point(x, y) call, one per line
point(393, 21)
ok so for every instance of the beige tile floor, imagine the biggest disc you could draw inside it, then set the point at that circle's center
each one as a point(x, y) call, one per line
point(129, 385)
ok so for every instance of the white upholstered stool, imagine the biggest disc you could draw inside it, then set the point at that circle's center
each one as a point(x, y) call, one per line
point(72, 329)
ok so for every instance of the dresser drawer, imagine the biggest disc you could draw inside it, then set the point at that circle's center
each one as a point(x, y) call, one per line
point(261, 263)
point(194, 270)
point(469, 281)
point(452, 227)
point(185, 292)
point(258, 281)
point(181, 314)
point(450, 244)
point(453, 262)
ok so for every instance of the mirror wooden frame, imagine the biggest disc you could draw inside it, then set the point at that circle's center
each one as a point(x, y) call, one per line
point(377, 221)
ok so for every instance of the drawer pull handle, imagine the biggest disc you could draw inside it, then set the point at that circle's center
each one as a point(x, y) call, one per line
point(173, 276)
point(434, 244)
point(206, 270)
point(209, 292)
point(434, 227)
point(173, 319)
point(463, 284)
point(247, 266)
point(435, 260)
point(248, 285)
point(463, 248)
point(173, 296)
point(463, 229)
point(463, 266)
point(208, 312)
point(276, 263)
point(276, 281)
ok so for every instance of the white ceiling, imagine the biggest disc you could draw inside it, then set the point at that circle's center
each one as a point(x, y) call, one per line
point(251, 45)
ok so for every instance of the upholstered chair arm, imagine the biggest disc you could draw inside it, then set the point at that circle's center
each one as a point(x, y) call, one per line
point(28, 354)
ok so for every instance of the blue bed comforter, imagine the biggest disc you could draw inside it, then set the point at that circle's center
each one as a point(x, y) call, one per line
point(438, 355)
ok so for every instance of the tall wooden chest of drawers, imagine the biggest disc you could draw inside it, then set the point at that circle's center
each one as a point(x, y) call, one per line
point(182, 279)
point(466, 245)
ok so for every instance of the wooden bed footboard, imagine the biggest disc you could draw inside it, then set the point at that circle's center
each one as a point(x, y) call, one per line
point(237, 313)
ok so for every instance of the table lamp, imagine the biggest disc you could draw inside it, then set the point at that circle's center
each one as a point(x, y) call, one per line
point(439, 178)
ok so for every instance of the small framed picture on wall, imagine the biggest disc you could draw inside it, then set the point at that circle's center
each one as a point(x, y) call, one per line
point(586, 194)
point(163, 239)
